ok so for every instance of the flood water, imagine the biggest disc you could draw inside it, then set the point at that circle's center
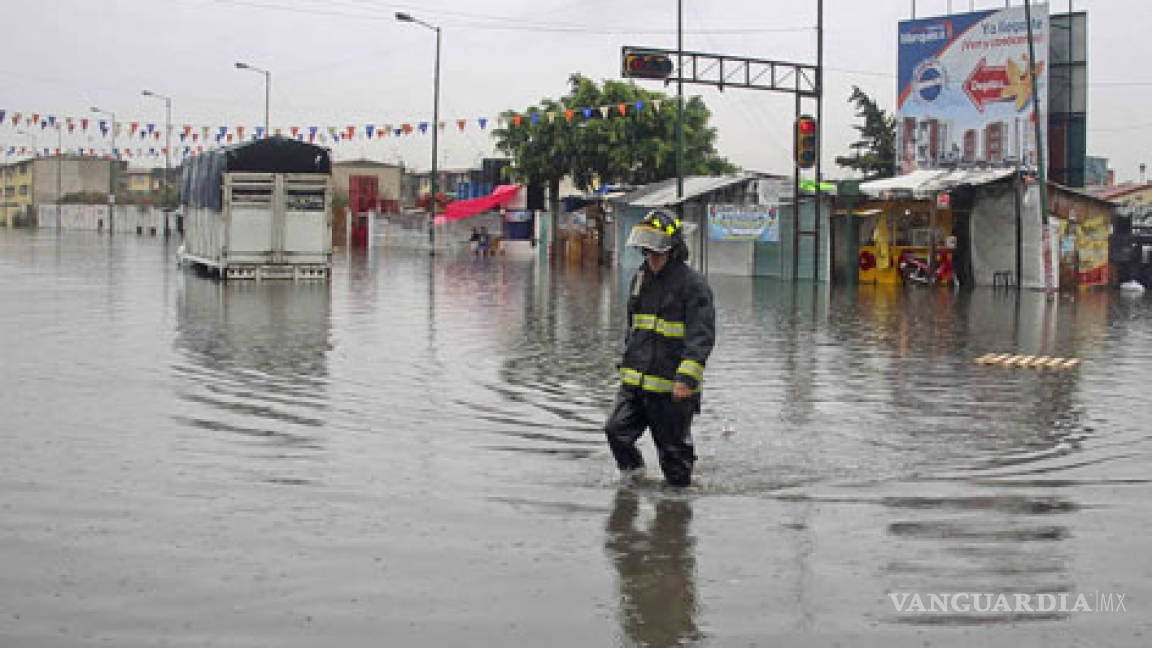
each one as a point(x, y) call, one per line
point(411, 455)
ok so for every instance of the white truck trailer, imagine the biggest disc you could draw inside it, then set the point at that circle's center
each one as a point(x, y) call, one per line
point(259, 210)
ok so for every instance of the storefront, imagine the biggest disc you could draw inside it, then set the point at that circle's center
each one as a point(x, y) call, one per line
point(1085, 225)
point(974, 227)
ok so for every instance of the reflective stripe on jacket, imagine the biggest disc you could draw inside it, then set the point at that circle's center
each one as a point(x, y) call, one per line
point(672, 327)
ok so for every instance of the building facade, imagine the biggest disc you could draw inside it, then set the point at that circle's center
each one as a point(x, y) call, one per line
point(44, 180)
point(388, 177)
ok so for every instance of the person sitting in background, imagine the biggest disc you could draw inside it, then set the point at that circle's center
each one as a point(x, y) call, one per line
point(483, 242)
point(474, 241)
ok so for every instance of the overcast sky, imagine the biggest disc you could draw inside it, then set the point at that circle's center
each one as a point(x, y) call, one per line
point(341, 62)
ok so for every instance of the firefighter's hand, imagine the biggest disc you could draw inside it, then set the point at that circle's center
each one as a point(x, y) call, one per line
point(680, 391)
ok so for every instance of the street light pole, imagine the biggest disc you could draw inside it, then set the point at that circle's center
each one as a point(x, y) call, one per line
point(267, 90)
point(111, 169)
point(403, 17)
point(167, 150)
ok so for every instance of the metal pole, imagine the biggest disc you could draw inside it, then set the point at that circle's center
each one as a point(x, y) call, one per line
point(59, 164)
point(1046, 235)
point(913, 9)
point(819, 122)
point(267, 100)
point(112, 178)
point(680, 102)
point(167, 159)
point(435, 132)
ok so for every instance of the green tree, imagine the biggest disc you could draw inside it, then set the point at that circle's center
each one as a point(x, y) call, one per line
point(874, 154)
point(637, 148)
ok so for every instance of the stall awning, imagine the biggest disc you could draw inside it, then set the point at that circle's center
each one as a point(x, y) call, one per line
point(465, 208)
point(922, 183)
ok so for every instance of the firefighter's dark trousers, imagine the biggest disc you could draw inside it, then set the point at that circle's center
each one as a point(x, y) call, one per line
point(671, 425)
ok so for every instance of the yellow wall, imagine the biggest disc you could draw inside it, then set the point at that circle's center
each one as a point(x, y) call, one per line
point(15, 176)
point(892, 211)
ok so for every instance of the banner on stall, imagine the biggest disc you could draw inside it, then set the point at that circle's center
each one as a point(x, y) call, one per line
point(760, 223)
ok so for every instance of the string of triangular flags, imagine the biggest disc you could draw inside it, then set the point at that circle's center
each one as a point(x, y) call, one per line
point(197, 138)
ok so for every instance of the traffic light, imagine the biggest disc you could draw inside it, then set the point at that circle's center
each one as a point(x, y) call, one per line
point(805, 142)
point(643, 64)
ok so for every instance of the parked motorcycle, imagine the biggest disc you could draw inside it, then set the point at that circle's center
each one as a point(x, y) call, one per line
point(914, 269)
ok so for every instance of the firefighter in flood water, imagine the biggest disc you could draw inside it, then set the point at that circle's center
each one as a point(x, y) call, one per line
point(671, 330)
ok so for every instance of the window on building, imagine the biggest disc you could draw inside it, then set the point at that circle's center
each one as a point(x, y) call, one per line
point(23, 190)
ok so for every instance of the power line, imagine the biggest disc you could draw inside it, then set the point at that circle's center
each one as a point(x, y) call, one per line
point(500, 23)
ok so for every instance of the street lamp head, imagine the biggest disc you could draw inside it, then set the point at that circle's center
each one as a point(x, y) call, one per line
point(241, 66)
point(148, 93)
point(403, 17)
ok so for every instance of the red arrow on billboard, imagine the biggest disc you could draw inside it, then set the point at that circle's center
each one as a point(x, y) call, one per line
point(986, 84)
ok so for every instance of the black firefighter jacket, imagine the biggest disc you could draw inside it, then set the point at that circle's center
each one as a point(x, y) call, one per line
point(672, 327)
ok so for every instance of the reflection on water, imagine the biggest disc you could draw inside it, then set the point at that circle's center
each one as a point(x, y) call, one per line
point(253, 363)
point(655, 569)
point(849, 448)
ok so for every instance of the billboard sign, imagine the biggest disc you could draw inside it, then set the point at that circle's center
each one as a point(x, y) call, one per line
point(744, 223)
point(965, 94)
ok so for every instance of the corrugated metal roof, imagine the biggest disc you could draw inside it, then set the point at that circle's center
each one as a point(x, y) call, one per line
point(663, 193)
point(923, 182)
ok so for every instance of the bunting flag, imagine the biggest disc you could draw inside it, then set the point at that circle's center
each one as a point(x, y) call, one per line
point(351, 132)
point(423, 126)
point(623, 108)
point(483, 121)
point(587, 113)
point(516, 119)
point(295, 130)
point(461, 123)
point(259, 132)
point(132, 128)
point(2, 118)
point(604, 112)
point(239, 133)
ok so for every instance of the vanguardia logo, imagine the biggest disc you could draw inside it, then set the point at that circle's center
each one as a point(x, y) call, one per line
point(1015, 603)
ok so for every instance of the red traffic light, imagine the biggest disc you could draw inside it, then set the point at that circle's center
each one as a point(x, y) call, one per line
point(646, 64)
point(804, 145)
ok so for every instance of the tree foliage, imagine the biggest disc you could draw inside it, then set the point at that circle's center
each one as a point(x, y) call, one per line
point(874, 154)
point(638, 148)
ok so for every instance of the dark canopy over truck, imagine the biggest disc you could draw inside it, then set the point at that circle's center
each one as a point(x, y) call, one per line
point(203, 174)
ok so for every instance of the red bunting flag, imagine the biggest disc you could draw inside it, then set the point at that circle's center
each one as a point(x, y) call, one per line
point(623, 108)
point(16, 122)
point(351, 132)
point(239, 133)
point(407, 128)
point(295, 130)
point(35, 118)
point(516, 119)
point(460, 123)
point(568, 114)
point(132, 128)
point(187, 130)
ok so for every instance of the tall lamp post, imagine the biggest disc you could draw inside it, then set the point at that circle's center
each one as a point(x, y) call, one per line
point(403, 17)
point(112, 169)
point(167, 149)
point(267, 90)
